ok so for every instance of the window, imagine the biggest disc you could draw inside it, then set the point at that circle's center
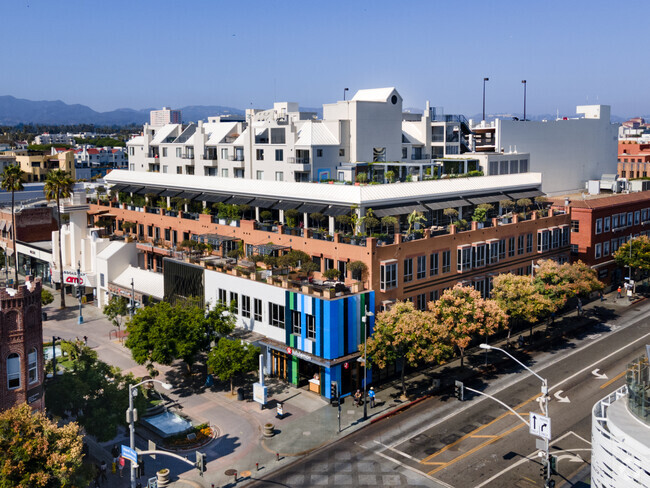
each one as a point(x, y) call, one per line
point(542, 240)
point(32, 366)
point(479, 255)
point(388, 276)
point(164, 152)
point(259, 154)
point(257, 312)
point(556, 237)
point(279, 176)
point(464, 262)
point(168, 234)
point(341, 152)
point(179, 152)
point(245, 306)
point(606, 248)
point(408, 270)
point(224, 153)
point(279, 155)
point(629, 218)
point(606, 224)
point(529, 242)
point(492, 254)
point(234, 299)
point(433, 295)
point(614, 245)
point(404, 153)
point(523, 166)
point(574, 248)
point(644, 215)
point(598, 250)
point(565, 235)
point(277, 136)
point(259, 175)
point(433, 264)
point(276, 315)
point(422, 267)
point(310, 320)
point(13, 371)
point(222, 296)
point(575, 226)
point(329, 263)
point(421, 301)
point(637, 217)
point(511, 247)
point(101, 280)
point(224, 172)
point(296, 323)
point(179, 170)
point(502, 249)
point(446, 261)
point(599, 226)
point(520, 244)
point(614, 221)
point(319, 153)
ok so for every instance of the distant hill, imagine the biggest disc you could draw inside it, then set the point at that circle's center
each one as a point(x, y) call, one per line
point(15, 111)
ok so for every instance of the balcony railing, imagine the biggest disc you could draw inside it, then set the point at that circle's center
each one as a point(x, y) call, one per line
point(292, 160)
point(292, 231)
point(266, 227)
point(323, 236)
point(190, 215)
point(170, 213)
point(353, 240)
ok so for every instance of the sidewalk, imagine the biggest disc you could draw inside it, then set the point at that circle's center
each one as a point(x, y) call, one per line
point(309, 421)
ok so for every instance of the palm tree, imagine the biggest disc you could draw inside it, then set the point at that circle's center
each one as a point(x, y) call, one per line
point(11, 180)
point(58, 185)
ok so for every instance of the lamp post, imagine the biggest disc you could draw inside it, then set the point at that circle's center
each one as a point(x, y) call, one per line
point(366, 323)
point(131, 413)
point(54, 339)
point(543, 403)
point(344, 91)
point(484, 80)
point(131, 311)
point(524, 83)
point(81, 317)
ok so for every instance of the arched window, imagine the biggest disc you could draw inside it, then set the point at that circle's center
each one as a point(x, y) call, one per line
point(32, 360)
point(13, 371)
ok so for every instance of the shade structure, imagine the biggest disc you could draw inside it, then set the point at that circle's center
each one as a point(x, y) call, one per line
point(525, 194)
point(169, 193)
point(441, 205)
point(404, 209)
point(190, 195)
point(213, 197)
point(119, 187)
point(239, 200)
point(487, 199)
point(263, 203)
point(286, 205)
point(335, 210)
point(311, 207)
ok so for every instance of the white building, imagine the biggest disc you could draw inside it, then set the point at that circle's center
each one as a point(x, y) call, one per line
point(164, 116)
point(568, 152)
point(54, 139)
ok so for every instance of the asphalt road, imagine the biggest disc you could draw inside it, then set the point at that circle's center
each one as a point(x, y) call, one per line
point(478, 443)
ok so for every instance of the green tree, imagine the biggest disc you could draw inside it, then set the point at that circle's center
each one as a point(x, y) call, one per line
point(358, 270)
point(292, 216)
point(46, 297)
point(331, 274)
point(635, 253)
point(414, 218)
point(560, 282)
point(231, 358)
point(390, 176)
point(58, 185)
point(362, 178)
point(309, 267)
point(405, 334)
point(389, 221)
point(162, 333)
point(481, 211)
point(35, 452)
point(11, 180)
point(507, 205)
point(465, 315)
point(94, 391)
point(451, 214)
point(116, 309)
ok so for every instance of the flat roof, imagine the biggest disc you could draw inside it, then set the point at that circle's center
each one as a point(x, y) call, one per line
point(581, 200)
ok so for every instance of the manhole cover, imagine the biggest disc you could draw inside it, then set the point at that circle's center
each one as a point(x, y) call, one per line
point(450, 438)
point(230, 472)
point(245, 474)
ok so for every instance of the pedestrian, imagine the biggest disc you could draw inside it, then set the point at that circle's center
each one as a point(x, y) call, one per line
point(115, 452)
point(579, 307)
point(357, 398)
point(602, 296)
point(619, 291)
point(120, 465)
point(520, 341)
point(102, 471)
point(371, 396)
point(86, 341)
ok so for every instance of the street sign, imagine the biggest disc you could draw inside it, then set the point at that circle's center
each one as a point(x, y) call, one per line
point(130, 454)
point(540, 425)
point(259, 393)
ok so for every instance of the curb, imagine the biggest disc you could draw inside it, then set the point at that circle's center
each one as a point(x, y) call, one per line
point(401, 408)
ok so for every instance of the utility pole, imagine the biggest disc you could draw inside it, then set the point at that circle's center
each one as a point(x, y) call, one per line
point(81, 317)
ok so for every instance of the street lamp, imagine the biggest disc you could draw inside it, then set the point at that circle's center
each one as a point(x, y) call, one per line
point(543, 403)
point(484, 80)
point(366, 322)
point(131, 413)
point(524, 83)
point(132, 308)
point(81, 317)
point(344, 91)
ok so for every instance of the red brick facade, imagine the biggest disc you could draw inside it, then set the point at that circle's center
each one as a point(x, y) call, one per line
point(21, 330)
point(633, 160)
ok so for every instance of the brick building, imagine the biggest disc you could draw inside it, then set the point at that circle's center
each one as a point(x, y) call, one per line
point(601, 223)
point(633, 159)
point(21, 347)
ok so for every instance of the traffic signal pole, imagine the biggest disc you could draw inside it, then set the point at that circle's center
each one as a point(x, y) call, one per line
point(81, 317)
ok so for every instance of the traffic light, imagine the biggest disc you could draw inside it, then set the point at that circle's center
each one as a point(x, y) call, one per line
point(459, 390)
point(334, 391)
point(78, 292)
point(200, 462)
point(553, 465)
point(543, 471)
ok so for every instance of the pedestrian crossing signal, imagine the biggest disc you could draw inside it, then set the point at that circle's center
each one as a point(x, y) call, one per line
point(334, 390)
point(200, 462)
point(459, 390)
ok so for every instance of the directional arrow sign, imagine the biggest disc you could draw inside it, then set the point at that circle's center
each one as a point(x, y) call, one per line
point(596, 373)
point(540, 425)
point(558, 396)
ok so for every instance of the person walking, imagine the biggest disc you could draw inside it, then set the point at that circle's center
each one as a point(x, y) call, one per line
point(102, 471)
point(371, 396)
point(357, 398)
point(619, 291)
point(115, 452)
point(120, 465)
point(85, 340)
point(579, 307)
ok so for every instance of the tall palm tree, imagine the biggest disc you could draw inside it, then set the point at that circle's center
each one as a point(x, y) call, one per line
point(11, 180)
point(58, 185)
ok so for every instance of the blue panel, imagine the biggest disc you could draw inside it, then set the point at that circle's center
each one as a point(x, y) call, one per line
point(340, 323)
point(329, 331)
point(353, 323)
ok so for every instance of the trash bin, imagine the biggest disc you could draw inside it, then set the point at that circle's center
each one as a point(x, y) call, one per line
point(44, 316)
point(240, 394)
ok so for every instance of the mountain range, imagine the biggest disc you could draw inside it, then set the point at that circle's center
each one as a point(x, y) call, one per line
point(14, 111)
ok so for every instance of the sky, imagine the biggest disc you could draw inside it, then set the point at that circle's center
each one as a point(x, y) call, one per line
point(137, 54)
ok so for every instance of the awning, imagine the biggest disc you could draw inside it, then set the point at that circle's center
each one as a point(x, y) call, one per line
point(2, 224)
point(311, 207)
point(212, 197)
point(239, 200)
point(190, 195)
point(486, 199)
point(169, 193)
point(118, 187)
point(132, 189)
point(286, 205)
point(458, 202)
point(336, 210)
point(406, 209)
point(148, 191)
point(263, 203)
point(90, 212)
point(9, 226)
point(525, 194)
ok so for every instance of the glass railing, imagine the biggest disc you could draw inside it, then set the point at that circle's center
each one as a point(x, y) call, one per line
point(638, 388)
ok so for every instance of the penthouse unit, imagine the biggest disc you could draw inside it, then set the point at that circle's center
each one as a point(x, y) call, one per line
point(568, 151)
point(67, 139)
point(286, 144)
point(600, 224)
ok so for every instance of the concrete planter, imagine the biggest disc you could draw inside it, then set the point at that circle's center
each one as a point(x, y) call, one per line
point(269, 430)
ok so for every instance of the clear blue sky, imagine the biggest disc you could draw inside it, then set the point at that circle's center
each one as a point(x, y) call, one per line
point(144, 53)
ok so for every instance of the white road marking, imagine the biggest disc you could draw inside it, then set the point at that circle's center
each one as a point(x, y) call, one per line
point(571, 457)
point(397, 451)
point(582, 438)
point(562, 399)
point(593, 336)
point(598, 375)
point(406, 466)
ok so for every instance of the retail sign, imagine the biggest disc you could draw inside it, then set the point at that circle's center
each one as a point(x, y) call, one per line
point(71, 278)
point(298, 354)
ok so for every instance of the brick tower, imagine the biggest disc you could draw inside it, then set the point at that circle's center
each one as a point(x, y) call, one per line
point(21, 346)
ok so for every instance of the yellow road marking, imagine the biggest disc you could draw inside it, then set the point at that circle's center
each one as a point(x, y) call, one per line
point(604, 385)
point(477, 448)
point(478, 429)
point(483, 436)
